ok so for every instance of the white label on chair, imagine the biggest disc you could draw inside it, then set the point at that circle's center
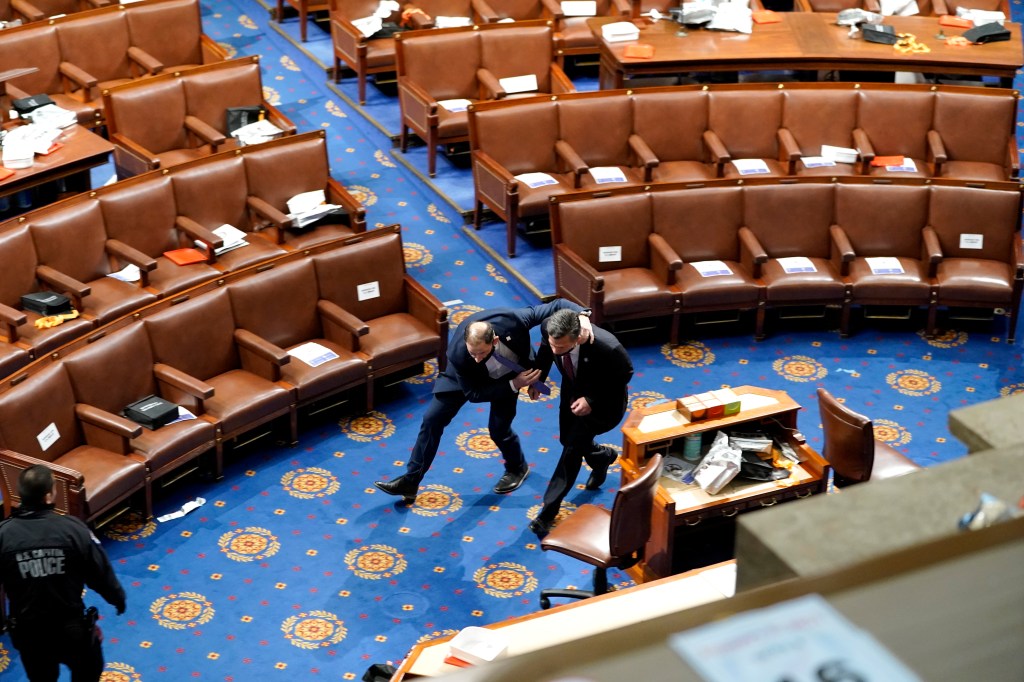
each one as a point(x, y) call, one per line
point(48, 437)
point(797, 264)
point(908, 166)
point(609, 254)
point(603, 174)
point(452, 22)
point(711, 268)
point(885, 265)
point(579, 8)
point(751, 166)
point(972, 241)
point(367, 291)
point(454, 105)
point(535, 180)
point(840, 154)
point(816, 162)
point(514, 84)
point(313, 354)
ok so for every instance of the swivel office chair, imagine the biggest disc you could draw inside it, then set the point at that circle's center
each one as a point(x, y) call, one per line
point(606, 539)
point(851, 448)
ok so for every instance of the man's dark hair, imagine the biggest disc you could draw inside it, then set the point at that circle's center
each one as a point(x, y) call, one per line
point(479, 332)
point(563, 323)
point(33, 485)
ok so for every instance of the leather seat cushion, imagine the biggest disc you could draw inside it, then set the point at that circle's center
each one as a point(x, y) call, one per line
point(775, 169)
point(12, 358)
point(333, 375)
point(967, 279)
point(584, 535)
point(910, 287)
point(452, 124)
point(45, 340)
point(576, 34)
point(682, 171)
point(841, 169)
point(380, 53)
point(634, 176)
point(535, 201)
point(108, 475)
point(175, 156)
point(242, 398)
point(398, 339)
point(112, 298)
point(924, 170)
point(169, 278)
point(973, 170)
point(260, 249)
point(821, 286)
point(890, 463)
point(318, 234)
point(737, 290)
point(635, 290)
point(168, 444)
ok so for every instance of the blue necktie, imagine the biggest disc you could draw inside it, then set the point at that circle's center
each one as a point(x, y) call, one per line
point(505, 362)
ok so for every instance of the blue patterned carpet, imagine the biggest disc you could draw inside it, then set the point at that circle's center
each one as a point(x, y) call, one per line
point(297, 568)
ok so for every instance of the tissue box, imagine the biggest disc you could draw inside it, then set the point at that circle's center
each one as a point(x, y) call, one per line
point(729, 399)
point(620, 31)
point(478, 645)
point(692, 408)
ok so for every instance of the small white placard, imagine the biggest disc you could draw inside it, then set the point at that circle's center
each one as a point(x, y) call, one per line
point(452, 22)
point(184, 415)
point(885, 265)
point(711, 268)
point(751, 166)
point(620, 31)
point(603, 174)
point(306, 201)
point(972, 241)
point(368, 290)
point(130, 273)
point(609, 254)
point(535, 180)
point(313, 354)
point(579, 8)
point(454, 105)
point(797, 264)
point(839, 154)
point(908, 166)
point(816, 162)
point(514, 84)
point(48, 437)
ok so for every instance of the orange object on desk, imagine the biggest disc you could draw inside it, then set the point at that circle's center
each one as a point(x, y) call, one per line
point(53, 147)
point(766, 16)
point(5, 173)
point(956, 22)
point(185, 256)
point(880, 161)
point(639, 51)
point(452, 660)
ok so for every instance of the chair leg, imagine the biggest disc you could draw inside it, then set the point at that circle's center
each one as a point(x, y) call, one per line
point(403, 138)
point(674, 333)
point(545, 596)
point(432, 152)
point(362, 87)
point(759, 322)
point(844, 320)
point(510, 229)
point(302, 21)
point(478, 209)
point(336, 74)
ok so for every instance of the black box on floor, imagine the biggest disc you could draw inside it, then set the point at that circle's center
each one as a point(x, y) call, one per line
point(152, 412)
point(46, 303)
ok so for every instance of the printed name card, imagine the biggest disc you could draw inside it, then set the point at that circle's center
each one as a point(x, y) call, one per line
point(906, 166)
point(711, 268)
point(603, 174)
point(885, 265)
point(535, 180)
point(972, 241)
point(365, 292)
point(514, 84)
point(579, 8)
point(751, 166)
point(609, 254)
point(48, 437)
point(454, 105)
point(816, 162)
point(797, 264)
point(313, 354)
point(839, 154)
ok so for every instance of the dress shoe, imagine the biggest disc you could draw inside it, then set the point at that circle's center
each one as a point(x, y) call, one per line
point(401, 486)
point(540, 528)
point(511, 480)
point(598, 476)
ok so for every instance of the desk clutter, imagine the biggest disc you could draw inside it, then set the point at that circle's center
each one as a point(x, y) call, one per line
point(711, 460)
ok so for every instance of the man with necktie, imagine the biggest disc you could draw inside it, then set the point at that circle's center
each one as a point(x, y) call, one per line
point(595, 377)
point(490, 361)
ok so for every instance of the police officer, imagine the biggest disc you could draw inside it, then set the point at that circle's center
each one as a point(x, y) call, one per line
point(45, 559)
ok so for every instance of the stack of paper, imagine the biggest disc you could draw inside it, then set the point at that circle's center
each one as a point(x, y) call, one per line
point(52, 116)
point(452, 22)
point(604, 174)
point(232, 236)
point(313, 354)
point(256, 133)
point(751, 166)
point(454, 105)
point(308, 207)
point(22, 143)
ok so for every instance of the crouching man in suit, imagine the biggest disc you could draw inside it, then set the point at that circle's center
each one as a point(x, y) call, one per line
point(594, 381)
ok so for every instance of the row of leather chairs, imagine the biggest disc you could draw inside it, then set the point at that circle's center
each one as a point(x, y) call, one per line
point(476, 60)
point(179, 116)
point(948, 131)
point(27, 11)
point(936, 8)
point(221, 350)
point(74, 245)
point(673, 250)
point(77, 56)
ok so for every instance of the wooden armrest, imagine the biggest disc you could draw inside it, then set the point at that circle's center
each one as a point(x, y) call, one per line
point(271, 215)
point(931, 249)
point(582, 273)
point(341, 317)
point(186, 383)
point(565, 152)
point(752, 254)
point(61, 282)
point(119, 426)
point(261, 347)
point(80, 76)
point(1012, 159)
point(489, 85)
point(204, 131)
point(936, 150)
point(27, 10)
point(119, 249)
point(197, 232)
point(623, 7)
point(421, 20)
point(141, 158)
point(789, 150)
point(11, 318)
point(148, 62)
point(1018, 257)
point(863, 145)
point(938, 7)
point(339, 196)
point(664, 259)
point(484, 11)
point(842, 250)
point(644, 154)
point(423, 305)
point(717, 152)
point(275, 116)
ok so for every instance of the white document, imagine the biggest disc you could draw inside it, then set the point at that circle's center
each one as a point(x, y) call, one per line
point(908, 166)
point(901, 8)
point(52, 116)
point(184, 415)
point(732, 16)
point(972, 241)
point(368, 290)
point(619, 31)
point(839, 154)
point(817, 162)
point(579, 8)
point(257, 132)
point(711, 268)
point(514, 84)
point(609, 254)
point(802, 639)
point(751, 166)
point(603, 174)
point(129, 273)
point(797, 264)
point(452, 22)
point(300, 203)
point(535, 180)
point(980, 17)
point(454, 105)
point(232, 236)
point(191, 505)
point(885, 265)
point(48, 437)
point(367, 26)
point(313, 354)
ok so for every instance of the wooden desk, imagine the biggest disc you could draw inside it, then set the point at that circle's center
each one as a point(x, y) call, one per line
point(680, 509)
point(82, 150)
point(802, 41)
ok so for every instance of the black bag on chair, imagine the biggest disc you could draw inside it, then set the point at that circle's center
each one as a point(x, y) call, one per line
point(238, 117)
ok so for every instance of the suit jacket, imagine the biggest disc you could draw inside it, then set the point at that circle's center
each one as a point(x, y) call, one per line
point(512, 326)
point(602, 374)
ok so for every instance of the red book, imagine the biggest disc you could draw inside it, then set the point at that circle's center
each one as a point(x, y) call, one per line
point(881, 161)
point(185, 256)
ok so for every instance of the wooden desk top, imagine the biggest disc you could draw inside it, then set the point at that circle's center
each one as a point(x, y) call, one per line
point(82, 149)
point(811, 40)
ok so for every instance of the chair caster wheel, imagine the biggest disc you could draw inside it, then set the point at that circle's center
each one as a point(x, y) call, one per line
point(545, 603)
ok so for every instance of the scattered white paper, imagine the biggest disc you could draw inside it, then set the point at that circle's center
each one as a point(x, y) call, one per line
point(885, 265)
point(232, 236)
point(191, 505)
point(604, 174)
point(368, 290)
point(980, 17)
point(711, 268)
point(839, 154)
point(52, 116)
point(367, 26)
point(579, 8)
point(817, 162)
point(901, 8)
point(257, 132)
point(797, 264)
point(48, 437)
point(514, 84)
point(305, 201)
point(535, 180)
point(129, 273)
point(313, 354)
point(908, 166)
point(184, 415)
point(972, 241)
point(454, 105)
point(609, 254)
point(751, 166)
point(452, 22)
point(732, 16)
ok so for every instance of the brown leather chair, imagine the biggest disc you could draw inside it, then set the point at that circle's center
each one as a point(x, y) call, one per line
point(198, 340)
point(786, 221)
point(284, 309)
point(982, 256)
point(851, 448)
point(609, 259)
point(493, 11)
point(37, 10)
point(363, 55)
point(576, 38)
point(75, 257)
point(835, 5)
point(606, 539)
point(896, 123)
point(102, 378)
point(171, 32)
point(580, 149)
point(967, 150)
point(91, 446)
point(678, 147)
point(745, 125)
point(871, 224)
point(805, 128)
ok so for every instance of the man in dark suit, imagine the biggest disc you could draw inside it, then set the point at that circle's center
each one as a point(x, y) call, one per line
point(491, 359)
point(594, 381)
